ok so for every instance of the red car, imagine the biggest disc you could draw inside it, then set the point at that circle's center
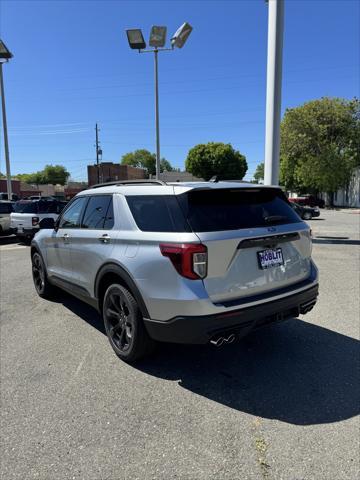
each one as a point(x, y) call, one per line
point(308, 200)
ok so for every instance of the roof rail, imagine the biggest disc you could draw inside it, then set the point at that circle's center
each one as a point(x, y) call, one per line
point(129, 182)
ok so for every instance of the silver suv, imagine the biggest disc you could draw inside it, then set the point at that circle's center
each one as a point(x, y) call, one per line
point(184, 262)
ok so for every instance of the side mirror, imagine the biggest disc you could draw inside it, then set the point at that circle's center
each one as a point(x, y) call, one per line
point(48, 223)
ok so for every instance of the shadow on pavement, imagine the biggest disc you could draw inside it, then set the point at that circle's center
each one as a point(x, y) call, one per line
point(295, 372)
point(81, 309)
point(8, 240)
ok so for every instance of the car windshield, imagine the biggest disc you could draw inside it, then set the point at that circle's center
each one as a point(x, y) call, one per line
point(26, 207)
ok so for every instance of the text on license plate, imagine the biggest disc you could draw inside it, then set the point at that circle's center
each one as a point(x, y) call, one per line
point(270, 258)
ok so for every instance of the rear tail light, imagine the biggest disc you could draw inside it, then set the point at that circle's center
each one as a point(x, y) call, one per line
point(189, 259)
point(35, 221)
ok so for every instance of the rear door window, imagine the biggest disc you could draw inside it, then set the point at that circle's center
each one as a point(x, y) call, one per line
point(99, 213)
point(233, 209)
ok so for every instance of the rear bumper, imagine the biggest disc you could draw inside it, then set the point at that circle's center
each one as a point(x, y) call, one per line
point(26, 232)
point(199, 330)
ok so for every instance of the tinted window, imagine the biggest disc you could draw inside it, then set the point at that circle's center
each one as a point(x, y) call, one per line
point(6, 208)
point(46, 206)
point(26, 207)
point(99, 213)
point(72, 216)
point(109, 219)
point(157, 213)
point(217, 210)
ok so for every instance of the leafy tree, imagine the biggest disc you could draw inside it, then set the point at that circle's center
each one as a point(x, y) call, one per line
point(207, 160)
point(55, 174)
point(259, 173)
point(320, 145)
point(165, 165)
point(35, 177)
point(144, 159)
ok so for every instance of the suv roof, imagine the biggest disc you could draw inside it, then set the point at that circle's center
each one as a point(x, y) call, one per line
point(156, 187)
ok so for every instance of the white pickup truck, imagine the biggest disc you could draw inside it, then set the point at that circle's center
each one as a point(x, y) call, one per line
point(27, 215)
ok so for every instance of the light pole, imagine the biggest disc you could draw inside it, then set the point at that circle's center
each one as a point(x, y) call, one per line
point(5, 55)
point(157, 41)
point(273, 91)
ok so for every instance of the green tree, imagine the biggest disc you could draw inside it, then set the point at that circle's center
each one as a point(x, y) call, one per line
point(320, 145)
point(215, 158)
point(36, 177)
point(259, 173)
point(55, 174)
point(144, 159)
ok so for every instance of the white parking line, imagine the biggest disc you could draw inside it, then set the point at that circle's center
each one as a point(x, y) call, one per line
point(12, 247)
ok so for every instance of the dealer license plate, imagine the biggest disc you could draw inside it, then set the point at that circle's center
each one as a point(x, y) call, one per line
point(270, 258)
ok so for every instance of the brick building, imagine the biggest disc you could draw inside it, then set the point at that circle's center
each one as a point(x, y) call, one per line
point(15, 186)
point(110, 172)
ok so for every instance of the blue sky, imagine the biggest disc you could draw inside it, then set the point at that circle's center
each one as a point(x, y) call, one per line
point(72, 67)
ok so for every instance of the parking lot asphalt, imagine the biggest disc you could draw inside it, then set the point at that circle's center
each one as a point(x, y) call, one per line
point(281, 404)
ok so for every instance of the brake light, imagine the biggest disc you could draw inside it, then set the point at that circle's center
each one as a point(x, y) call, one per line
point(35, 221)
point(189, 259)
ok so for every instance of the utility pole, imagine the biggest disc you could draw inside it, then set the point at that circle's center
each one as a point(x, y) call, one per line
point(273, 91)
point(157, 115)
point(6, 143)
point(97, 152)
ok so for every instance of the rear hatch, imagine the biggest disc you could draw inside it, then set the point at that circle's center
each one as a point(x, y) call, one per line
point(256, 242)
point(23, 214)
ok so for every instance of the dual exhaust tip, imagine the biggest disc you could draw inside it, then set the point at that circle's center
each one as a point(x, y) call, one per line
point(219, 341)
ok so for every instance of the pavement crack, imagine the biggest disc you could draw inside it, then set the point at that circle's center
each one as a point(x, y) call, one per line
point(261, 448)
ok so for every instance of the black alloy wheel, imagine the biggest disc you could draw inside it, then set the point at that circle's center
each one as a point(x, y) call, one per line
point(41, 283)
point(124, 324)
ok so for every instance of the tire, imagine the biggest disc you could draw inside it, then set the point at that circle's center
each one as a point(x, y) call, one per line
point(307, 216)
point(124, 324)
point(42, 285)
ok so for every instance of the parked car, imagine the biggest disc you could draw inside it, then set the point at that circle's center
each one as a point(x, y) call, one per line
point(306, 213)
point(308, 200)
point(28, 213)
point(4, 196)
point(186, 262)
point(6, 207)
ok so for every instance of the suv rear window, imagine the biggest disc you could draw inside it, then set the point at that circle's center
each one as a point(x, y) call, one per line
point(26, 207)
point(157, 213)
point(232, 209)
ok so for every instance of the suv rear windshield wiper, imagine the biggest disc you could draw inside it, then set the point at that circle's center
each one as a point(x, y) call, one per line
point(275, 218)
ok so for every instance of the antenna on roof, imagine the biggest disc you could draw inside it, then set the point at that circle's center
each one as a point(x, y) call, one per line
point(214, 179)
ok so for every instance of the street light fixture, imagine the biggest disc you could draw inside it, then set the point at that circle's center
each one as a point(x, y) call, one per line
point(136, 39)
point(5, 56)
point(157, 37)
point(181, 35)
point(157, 40)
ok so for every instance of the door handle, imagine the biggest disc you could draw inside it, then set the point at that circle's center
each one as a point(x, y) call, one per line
point(104, 238)
point(66, 237)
